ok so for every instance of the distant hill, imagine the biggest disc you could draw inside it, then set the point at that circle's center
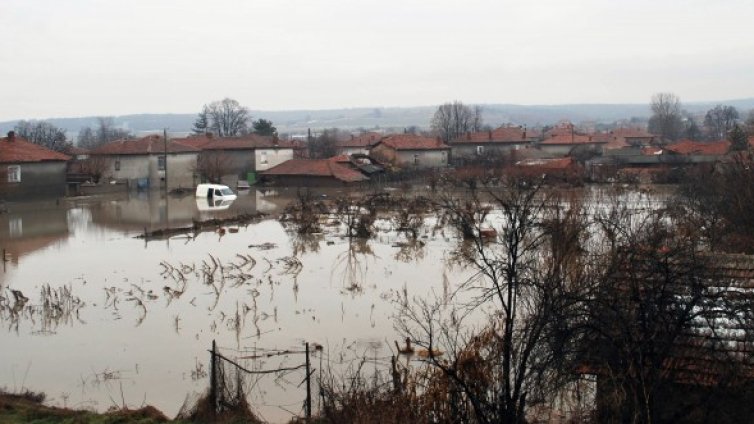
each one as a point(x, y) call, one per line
point(298, 121)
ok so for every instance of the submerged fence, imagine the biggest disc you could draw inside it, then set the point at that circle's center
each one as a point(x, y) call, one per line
point(226, 387)
point(230, 378)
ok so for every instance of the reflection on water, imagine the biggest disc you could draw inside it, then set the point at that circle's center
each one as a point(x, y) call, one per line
point(142, 315)
point(89, 310)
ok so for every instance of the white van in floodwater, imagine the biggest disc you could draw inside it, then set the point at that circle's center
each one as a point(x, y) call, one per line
point(215, 191)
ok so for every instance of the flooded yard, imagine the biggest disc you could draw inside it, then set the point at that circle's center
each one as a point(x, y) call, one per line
point(95, 316)
point(139, 316)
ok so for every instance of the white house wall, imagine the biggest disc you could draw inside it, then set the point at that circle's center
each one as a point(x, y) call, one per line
point(426, 158)
point(274, 157)
point(136, 167)
point(469, 150)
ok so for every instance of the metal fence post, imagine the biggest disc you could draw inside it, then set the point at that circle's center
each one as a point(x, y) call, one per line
point(308, 386)
point(213, 379)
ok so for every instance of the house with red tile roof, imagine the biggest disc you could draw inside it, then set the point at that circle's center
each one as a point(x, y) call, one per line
point(149, 162)
point(358, 143)
point(30, 170)
point(558, 145)
point(621, 138)
point(555, 170)
point(562, 128)
point(313, 173)
point(492, 143)
point(411, 151)
point(698, 148)
point(242, 157)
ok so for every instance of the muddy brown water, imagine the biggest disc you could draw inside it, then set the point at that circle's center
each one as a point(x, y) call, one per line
point(130, 332)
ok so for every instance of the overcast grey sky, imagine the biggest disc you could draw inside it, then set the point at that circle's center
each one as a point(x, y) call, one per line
point(88, 57)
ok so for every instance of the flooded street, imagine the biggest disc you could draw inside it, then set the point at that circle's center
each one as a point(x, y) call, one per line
point(139, 317)
point(108, 318)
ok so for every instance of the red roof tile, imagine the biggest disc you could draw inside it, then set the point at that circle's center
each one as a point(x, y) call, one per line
point(573, 139)
point(22, 151)
point(498, 135)
point(413, 142)
point(563, 128)
point(619, 137)
point(688, 147)
point(364, 140)
point(316, 168)
point(651, 151)
point(248, 142)
point(151, 144)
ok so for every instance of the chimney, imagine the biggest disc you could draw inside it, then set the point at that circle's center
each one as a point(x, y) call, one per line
point(523, 136)
point(489, 134)
point(11, 136)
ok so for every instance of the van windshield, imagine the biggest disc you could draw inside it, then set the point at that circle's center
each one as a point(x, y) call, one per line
point(226, 191)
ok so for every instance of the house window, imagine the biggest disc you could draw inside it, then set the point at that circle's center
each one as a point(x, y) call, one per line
point(14, 174)
point(480, 150)
point(117, 164)
point(161, 162)
point(263, 158)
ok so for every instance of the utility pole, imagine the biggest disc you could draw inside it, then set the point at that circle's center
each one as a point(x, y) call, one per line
point(165, 172)
point(213, 379)
point(165, 157)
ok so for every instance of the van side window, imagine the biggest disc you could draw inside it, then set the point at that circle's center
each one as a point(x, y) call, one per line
point(218, 194)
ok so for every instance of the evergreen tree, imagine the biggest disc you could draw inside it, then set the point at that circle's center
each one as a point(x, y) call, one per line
point(201, 125)
point(263, 127)
point(738, 139)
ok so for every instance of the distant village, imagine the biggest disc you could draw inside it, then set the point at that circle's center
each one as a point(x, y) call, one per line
point(562, 153)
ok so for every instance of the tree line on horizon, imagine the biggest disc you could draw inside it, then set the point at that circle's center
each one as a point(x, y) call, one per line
point(228, 118)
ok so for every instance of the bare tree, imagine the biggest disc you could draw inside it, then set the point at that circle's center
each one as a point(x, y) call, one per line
point(719, 120)
point(224, 118)
point(95, 166)
point(452, 120)
point(43, 133)
point(105, 132)
point(739, 141)
point(477, 122)
point(719, 202)
point(750, 123)
point(213, 165)
point(527, 267)
point(692, 130)
point(666, 116)
point(325, 145)
point(652, 312)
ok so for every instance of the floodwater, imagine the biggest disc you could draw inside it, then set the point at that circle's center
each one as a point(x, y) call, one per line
point(135, 318)
point(132, 330)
